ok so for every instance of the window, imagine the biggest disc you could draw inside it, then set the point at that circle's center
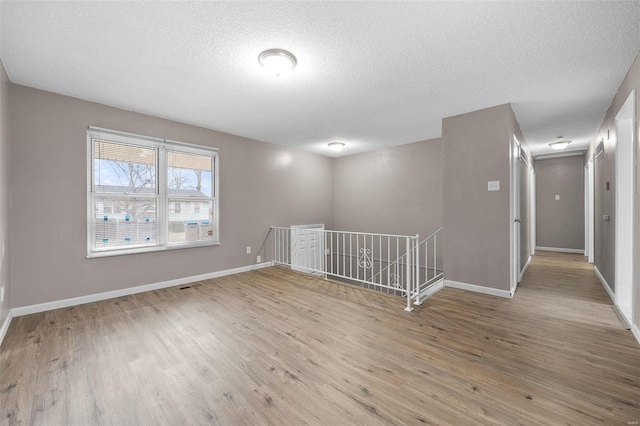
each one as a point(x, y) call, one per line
point(148, 194)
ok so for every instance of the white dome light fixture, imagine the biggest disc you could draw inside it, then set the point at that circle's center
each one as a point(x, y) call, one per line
point(277, 61)
point(336, 146)
point(560, 144)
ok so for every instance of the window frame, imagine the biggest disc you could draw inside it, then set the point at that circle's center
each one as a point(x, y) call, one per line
point(162, 147)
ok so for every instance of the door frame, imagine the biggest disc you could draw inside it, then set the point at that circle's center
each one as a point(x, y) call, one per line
point(514, 227)
point(592, 210)
point(589, 212)
point(532, 208)
point(624, 207)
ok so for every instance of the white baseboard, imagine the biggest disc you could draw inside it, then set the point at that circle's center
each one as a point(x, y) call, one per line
point(430, 291)
point(478, 289)
point(74, 301)
point(636, 332)
point(605, 284)
point(561, 250)
point(5, 326)
point(526, 265)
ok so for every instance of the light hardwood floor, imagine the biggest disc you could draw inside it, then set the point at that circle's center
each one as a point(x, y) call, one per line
point(278, 347)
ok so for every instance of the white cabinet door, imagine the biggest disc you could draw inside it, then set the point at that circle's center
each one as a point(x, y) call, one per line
point(307, 249)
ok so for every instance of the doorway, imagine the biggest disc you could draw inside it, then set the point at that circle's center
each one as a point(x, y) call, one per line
point(589, 213)
point(532, 210)
point(515, 214)
point(624, 199)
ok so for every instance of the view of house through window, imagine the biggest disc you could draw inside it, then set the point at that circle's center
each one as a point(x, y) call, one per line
point(189, 179)
point(149, 195)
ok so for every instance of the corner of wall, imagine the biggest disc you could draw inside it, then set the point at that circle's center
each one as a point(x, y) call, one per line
point(5, 277)
point(476, 150)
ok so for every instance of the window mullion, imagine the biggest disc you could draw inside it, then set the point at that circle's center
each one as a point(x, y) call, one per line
point(162, 214)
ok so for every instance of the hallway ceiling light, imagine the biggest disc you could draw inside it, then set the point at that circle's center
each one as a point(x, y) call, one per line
point(277, 61)
point(559, 145)
point(336, 146)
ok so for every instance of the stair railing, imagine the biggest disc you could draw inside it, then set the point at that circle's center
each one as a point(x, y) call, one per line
point(389, 263)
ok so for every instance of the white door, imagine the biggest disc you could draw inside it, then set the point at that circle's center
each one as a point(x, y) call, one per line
point(532, 209)
point(625, 122)
point(592, 213)
point(588, 211)
point(515, 213)
point(307, 249)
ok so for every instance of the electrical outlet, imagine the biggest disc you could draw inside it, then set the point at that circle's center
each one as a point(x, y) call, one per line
point(557, 197)
point(248, 249)
point(1, 294)
point(258, 259)
point(493, 185)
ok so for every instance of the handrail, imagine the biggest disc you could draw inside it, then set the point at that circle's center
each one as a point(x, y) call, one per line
point(346, 232)
point(438, 231)
point(420, 287)
point(390, 263)
point(412, 250)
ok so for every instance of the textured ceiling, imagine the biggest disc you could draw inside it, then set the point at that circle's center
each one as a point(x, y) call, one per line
point(371, 74)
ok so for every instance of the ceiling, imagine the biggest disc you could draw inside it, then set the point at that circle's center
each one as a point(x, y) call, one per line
point(370, 74)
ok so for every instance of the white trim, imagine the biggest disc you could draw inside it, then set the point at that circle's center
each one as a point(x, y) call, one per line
point(560, 250)
point(514, 212)
point(74, 301)
point(532, 211)
point(150, 249)
point(624, 313)
point(624, 211)
point(585, 181)
point(636, 332)
point(124, 136)
point(478, 289)
point(591, 212)
point(605, 284)
point(430, 291)
point(526, 265)
point(5, 326)
point(550, 155)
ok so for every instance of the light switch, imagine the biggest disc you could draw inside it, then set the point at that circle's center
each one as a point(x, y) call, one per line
point(493, 185)
point(557, 197)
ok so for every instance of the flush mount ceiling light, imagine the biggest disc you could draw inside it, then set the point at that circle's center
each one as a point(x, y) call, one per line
point(277, 61)
point(559, 145)
point(336, 146)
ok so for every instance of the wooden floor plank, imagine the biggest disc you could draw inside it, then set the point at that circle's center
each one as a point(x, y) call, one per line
point(278, 347)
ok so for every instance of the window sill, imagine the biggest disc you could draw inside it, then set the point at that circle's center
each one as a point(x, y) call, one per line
point(152, 249)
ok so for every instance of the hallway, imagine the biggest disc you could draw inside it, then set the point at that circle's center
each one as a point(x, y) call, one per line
point(558, 343)
point(567, 341)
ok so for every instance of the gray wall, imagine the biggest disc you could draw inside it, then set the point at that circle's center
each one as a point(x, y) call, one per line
point(4, 193)
point(260, 185)
point(605, 200)
point(477, 222)
point(560, 224)
point(396, 190)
